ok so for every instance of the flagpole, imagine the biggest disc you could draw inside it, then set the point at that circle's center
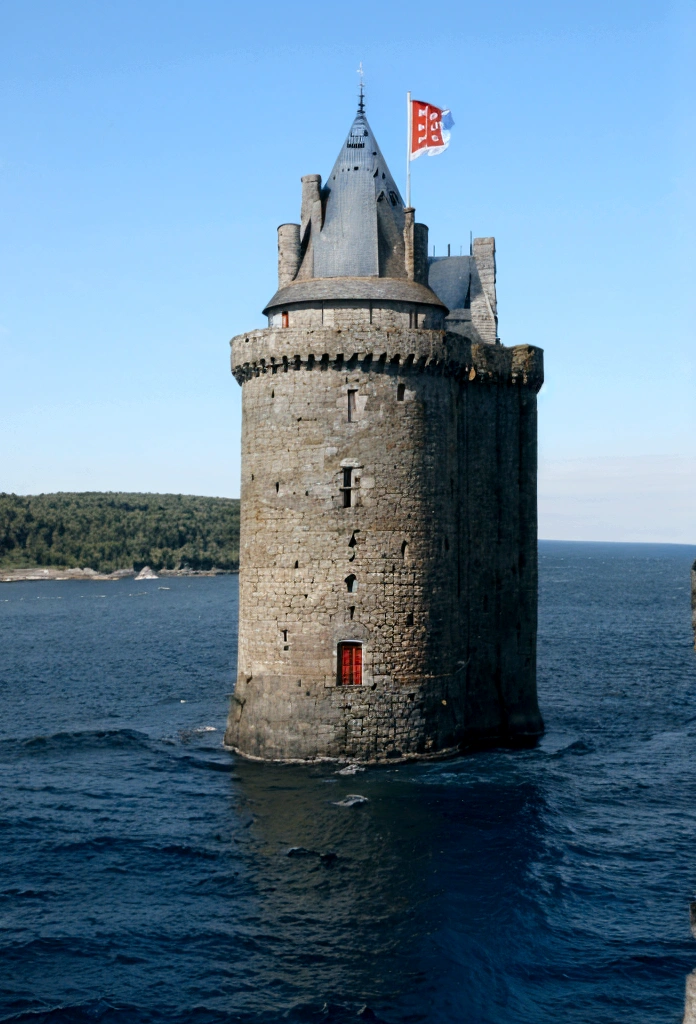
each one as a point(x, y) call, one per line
point(408, 149)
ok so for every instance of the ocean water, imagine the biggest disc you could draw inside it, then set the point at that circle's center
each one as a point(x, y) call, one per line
point(147, 875)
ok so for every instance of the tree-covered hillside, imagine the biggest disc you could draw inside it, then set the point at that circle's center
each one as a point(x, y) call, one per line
point(108, 531)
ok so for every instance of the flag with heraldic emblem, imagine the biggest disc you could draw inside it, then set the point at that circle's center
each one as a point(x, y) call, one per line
point(429, 129)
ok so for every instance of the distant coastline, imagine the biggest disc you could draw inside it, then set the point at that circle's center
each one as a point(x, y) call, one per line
point(53, 573)
point(93, 534)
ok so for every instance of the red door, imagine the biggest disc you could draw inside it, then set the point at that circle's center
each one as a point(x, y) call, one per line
point(350, 664)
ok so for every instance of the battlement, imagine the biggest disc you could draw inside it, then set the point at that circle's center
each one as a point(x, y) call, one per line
point(271, 351)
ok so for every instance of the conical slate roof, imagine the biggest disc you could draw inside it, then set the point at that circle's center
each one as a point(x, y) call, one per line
point(363, 212)
point(352, 233)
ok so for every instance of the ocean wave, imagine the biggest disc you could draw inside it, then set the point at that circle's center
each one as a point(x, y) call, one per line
point(74, 741)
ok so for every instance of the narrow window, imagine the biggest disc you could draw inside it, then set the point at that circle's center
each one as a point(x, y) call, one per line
point(297, 565)
point(351, 610)
point(277, 487)
point(285, 318)
point(347, 486)
point(400, 392)
point(409, 619)
point(351, 583)
point(351, 405)
point(350, 664)
point(285, 635)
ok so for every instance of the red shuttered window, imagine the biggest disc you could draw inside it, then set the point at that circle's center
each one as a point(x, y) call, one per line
point(350, 664)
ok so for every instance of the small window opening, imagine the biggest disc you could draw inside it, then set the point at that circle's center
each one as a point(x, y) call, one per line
point(349, 664)
point(356, 168)
point(400, 392)
point(272, 394)
point(297, 565)
point(277, 486)
point(409, 619)
point(351, 584)
point(285, 318)
point(352, 610)
point(252, 476)
point(352, 542)
point(404, 546)
point(347, 486)
point(285, 635)
point(351, 405)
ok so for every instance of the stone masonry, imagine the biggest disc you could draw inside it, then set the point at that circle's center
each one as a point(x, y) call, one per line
point(362, 384)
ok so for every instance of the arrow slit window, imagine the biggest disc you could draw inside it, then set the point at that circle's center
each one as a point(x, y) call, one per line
point(347, 488)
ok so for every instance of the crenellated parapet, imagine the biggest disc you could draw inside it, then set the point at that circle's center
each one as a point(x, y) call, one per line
point(271, 351)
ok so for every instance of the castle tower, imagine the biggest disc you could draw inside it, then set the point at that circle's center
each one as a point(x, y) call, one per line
point(388, 551)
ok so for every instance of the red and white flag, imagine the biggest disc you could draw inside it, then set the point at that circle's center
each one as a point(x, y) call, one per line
point(429, 129)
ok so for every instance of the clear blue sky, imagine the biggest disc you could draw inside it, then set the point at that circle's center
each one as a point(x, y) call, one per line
point(148, 152)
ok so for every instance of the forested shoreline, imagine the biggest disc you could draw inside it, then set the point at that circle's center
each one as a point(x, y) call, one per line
point(106, 531)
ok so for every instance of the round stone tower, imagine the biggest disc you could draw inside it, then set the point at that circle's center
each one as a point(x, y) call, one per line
point(388, 565)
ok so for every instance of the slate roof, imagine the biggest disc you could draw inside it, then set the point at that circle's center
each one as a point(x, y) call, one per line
point(379, 289)
point(348, 243)
point(450, 279)
point(353, 241)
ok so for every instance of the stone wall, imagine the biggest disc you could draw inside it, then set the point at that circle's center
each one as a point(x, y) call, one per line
point(349, 313)
point(441, 539)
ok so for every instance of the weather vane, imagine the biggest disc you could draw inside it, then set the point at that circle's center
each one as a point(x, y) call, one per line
point(361, 98)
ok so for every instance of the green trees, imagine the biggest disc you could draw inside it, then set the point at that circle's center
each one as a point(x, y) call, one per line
point(108, 531)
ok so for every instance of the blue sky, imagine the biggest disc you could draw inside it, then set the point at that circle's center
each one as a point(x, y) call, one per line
point(148, 152)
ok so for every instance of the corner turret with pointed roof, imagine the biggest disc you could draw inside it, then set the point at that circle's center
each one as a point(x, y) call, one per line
point(356, 240)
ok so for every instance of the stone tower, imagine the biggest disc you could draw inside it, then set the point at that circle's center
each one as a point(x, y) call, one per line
point(388, 558)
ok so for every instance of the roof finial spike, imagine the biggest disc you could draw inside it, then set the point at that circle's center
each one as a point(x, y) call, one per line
point(361, 94)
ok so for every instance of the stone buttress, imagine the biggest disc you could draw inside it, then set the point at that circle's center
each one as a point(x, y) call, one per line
point(388, 550)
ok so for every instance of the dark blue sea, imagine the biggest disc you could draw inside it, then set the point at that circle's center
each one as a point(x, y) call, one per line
point(147, 875)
